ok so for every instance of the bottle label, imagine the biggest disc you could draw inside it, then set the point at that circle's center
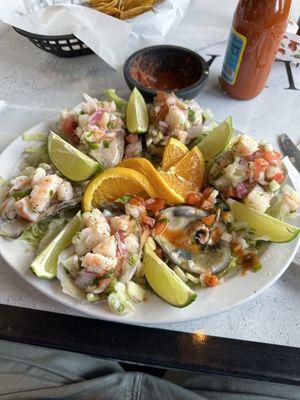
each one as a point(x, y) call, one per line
point(234, 54)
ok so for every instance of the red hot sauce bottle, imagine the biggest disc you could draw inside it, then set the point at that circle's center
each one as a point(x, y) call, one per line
point(257, 29)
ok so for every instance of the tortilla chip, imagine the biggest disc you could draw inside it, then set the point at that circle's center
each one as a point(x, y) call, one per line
point(103, 4)
point(123, 9)
point(130, 4)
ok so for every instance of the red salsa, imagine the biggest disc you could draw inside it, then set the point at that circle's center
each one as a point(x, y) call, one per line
point(152, 75)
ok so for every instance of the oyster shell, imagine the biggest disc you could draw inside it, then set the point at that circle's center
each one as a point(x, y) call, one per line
point(178, 244)
point(12, 229)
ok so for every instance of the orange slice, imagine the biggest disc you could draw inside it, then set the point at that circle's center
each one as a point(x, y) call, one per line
point(174, 151)
point(114, 183)
point(186, 175)
point(161, 187)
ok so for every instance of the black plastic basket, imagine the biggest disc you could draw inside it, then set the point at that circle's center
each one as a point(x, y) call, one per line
point(61, 46)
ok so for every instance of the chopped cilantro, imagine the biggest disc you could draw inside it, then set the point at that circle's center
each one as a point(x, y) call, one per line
point(110, 125)
point(163, 220)
point(20, 194)
point(96, 281)
point(132, 260)
point(105, 144)
point(107, 275)
point(124, 199)
point(93, 145)
point(257, 267)
point(191, 116)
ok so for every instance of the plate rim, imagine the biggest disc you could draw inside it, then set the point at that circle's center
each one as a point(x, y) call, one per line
point(74, 304)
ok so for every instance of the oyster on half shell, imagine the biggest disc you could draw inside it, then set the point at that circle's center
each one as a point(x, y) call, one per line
point(12, 229)
point(179, 242)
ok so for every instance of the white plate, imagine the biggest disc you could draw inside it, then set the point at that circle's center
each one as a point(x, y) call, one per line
point(232, 292)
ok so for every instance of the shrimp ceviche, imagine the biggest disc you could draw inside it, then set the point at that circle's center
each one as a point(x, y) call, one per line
point(35, 195)
point(173, 117)
point(128, 199)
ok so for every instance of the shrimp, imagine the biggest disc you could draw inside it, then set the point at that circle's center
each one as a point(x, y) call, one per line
point(133, 149)
point(107, 248)
point(42, 193)
point(65, 191)
point(94, 218)
point(118, 123)
point(110, 106)
point(38, 174)
point(25, 210)
point(94, 134)
point(175, 117)
point(120, 223)
point(90, 105)
point(83, 120)
point(99, 264)
point(132, 243)
point(89, 238)
point(245, 146)
point(20, 183)
point(258, 199)
point(181, 135)
point(290, 199)
point(134, 210)
point(104, 120)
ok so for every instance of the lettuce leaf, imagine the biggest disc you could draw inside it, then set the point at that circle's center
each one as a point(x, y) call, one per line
point(34, 137)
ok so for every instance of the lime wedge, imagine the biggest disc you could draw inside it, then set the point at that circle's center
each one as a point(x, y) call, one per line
point(262, 224)
point(121, 104)
point(164, 281)
point(217, 140)
point(137, 114)
point(71, 162)
point(45, 264)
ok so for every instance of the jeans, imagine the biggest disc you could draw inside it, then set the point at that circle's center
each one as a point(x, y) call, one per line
point(31, 372)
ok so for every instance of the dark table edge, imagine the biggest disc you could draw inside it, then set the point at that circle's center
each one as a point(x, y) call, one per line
point(151, 346)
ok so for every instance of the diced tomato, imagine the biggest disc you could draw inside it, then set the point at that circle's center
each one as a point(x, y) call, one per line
point(236, 248)
point(272, 155)
point(194, 199)
point(159, 252)
point(206, 205)
point(68, 127)
point(251, 261)
point(133, 138)
point(160, 227)
point(279, 177)
point(155, 204)
point(261, 163)
point(141, 199)
point(211, 280)
point(163, 113)
point(134, 201)
point(161, 97)
point(146, 220)
point(209, 219)
point(207, 192)
point(229, 191)
point(260, 166)
point(104, 283)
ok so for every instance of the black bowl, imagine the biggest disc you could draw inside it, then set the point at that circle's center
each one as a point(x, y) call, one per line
point(169, 58)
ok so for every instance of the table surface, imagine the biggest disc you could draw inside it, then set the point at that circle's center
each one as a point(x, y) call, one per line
point(35, 85)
